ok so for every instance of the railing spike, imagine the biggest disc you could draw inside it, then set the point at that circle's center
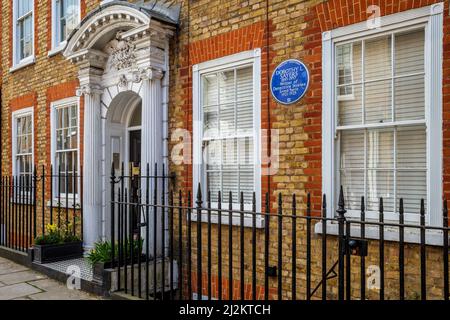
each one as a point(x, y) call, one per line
point(341, 204)
point(445, 209)
point(199, 194)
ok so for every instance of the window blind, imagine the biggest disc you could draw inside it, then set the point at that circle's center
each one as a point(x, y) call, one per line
point(387, 88)
point(228, 142)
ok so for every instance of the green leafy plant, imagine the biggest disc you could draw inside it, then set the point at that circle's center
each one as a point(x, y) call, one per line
point(102, 251)
point(57, 235)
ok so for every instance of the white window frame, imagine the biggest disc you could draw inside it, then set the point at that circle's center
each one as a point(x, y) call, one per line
point(20, 63)
point(58, 46)
point(251, 57)
point(432, 18)
point(54, 106)
point(16, 115)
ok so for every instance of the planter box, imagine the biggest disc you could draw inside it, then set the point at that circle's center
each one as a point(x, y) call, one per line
point(55, 252)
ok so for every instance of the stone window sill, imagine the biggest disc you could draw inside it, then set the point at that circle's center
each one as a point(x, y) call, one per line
point(24, 63)
point(433, 237)
point(54, 51)
point(70, 204)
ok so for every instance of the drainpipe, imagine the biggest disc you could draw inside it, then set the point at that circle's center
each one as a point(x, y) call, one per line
point(1, 140)
point(165, 115)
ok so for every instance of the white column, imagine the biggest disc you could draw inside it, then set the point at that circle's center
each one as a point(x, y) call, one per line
point(152, 139)
point(152, 120)
point(92, 197)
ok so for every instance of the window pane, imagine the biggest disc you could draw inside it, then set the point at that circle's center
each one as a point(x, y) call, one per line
point(245, 117)
point(380, 148)
point(348, 63)
point(210, 121)
point(246, 165)
point(227, 120)
point(230, 182)
point(210, 87)
point(227, 87)
point(229, 155)
point(410, 98)
point(26, 37)
point(23, 7)
point(73, 138)
point(212, 155)
point(244, 83)
point(350, 105)
point(213, 184)
point(378, 101)
point(352, 182)
point(411, 186)
point(409, 52)
point(411, 147)
point(380, 184)
point(352, 149)
point(378, 62)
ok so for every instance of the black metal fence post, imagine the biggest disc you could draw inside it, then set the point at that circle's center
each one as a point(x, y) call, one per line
point(308, 247)
point(381, 247)
point(401, 253)
point(341, 245)
point(423, 253)
point(445, 251)
point(324, 247)
point(199, 203)
point(113, 205)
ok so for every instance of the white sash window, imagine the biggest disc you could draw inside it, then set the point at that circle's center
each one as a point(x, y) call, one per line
point(383, 124)
point(226, 127)
point(66, 17)
point(23, 144)
point(23, 32)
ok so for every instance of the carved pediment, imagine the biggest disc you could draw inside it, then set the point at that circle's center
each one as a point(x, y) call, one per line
point(122, 54)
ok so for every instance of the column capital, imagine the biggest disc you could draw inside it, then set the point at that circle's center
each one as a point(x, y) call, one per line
point(89, 89)
point(149, 73)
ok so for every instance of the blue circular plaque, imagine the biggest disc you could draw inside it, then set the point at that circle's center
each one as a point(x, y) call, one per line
point(289, 82)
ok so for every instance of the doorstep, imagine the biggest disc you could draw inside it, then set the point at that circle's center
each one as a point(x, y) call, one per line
point(58, 271)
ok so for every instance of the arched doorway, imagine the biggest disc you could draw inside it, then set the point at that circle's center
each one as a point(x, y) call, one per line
point(124, 131)
point(122, 52)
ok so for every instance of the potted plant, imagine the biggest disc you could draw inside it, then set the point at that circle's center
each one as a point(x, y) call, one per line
point(58, 243)
point(100, 257)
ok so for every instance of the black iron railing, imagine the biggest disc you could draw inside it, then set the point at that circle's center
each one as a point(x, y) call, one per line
point(197, 249)
point(29, 203)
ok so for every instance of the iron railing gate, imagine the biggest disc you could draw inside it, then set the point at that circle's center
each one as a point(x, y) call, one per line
point(291, 250)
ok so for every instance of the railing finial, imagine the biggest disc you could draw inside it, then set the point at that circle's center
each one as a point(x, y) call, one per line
point(341, 204)
point(445, 212)
point(199, 195)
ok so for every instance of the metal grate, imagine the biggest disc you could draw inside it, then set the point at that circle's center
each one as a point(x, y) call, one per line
point(82, 263)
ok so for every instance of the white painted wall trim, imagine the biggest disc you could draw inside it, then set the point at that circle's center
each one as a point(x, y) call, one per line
point(432, 18)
